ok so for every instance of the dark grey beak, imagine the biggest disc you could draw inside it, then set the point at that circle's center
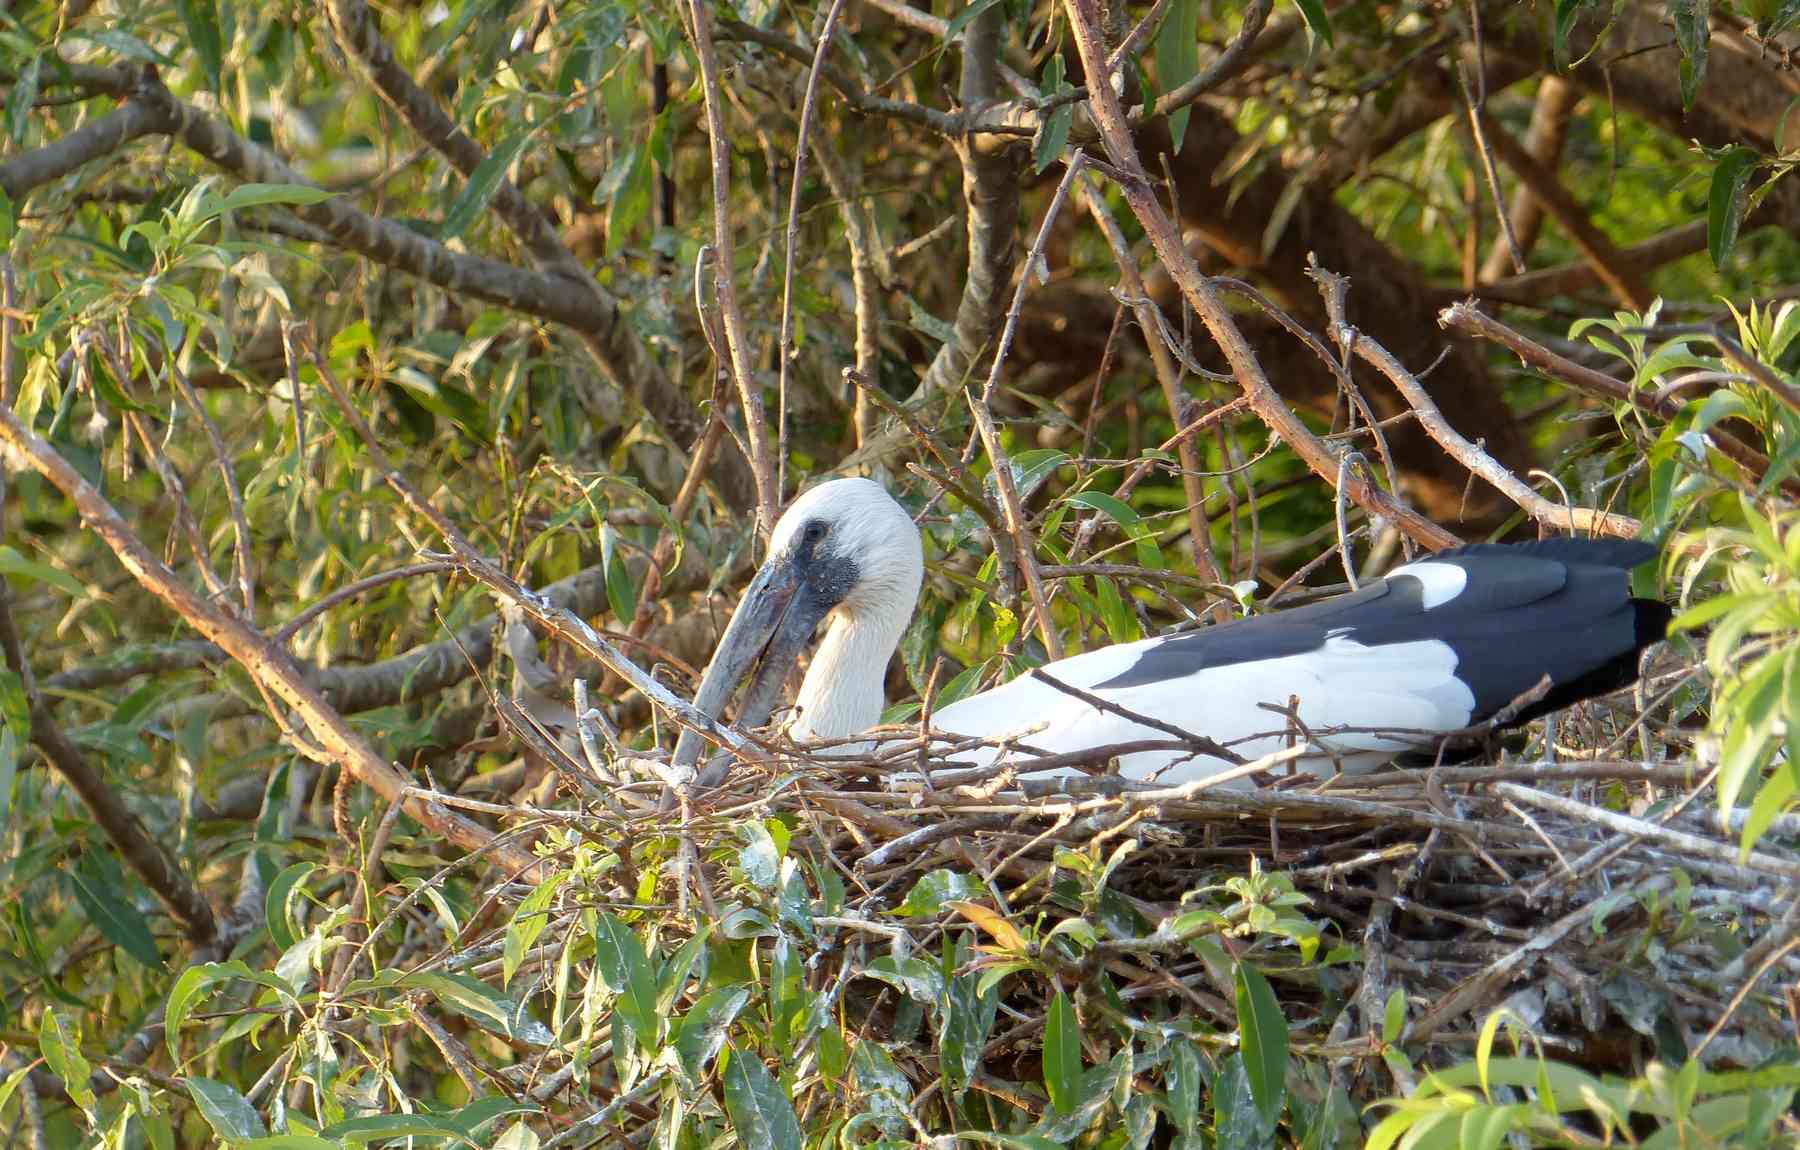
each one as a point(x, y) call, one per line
point(772, 626)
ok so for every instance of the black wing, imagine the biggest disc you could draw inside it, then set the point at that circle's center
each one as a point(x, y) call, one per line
point(1557, 607)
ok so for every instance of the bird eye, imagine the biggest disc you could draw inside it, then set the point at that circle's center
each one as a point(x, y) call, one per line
point(815, 531)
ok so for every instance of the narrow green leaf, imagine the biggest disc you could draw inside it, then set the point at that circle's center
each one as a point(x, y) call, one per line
point(1318, 22)
point(1693, 33)
point(1726, 199)
point(928, 896)
point(700, 1035)
point(958, 22)
point(229, 1113)
point(528, 922)
point(1263, 1037)
point(20, 99)
point(9, 769)
point(60, 1044)
point(98, 888)
point(759, 1109)
point(483, 182)
point(1062, 1054)
point(278, 904)
point(620, 956)
point(1178, 59)
point(256, 195)
point(1394, 1017)
point(202, 20)
point(15, 707)
point(1053, 131)
point(13, 563)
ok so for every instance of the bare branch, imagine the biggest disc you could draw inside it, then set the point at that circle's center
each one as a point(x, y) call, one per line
point(94, 139)
point(737, 339)
point(1470, 455)
point(266, 663)
point(1594, 245)
point(1084, 19)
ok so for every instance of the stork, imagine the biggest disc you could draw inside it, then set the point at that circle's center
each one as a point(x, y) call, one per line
point(1437, 645)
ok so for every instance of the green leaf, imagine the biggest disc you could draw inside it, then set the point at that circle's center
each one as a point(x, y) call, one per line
point(20, 99)
point(759, 859)
point(700, 1035)
point(1053, 131)
point(13, 563)
point(919, 980)
point(1263, 1037)
point(1318, 22)
point(1726, 200)
point(958, 22)
point(60, 1044)
point(759, 1109)
point(623, 965)
point(98, 889)
point(289, 1142)
point(195, 981)
point(9, 769)
point(124, 43)
point(229, 1113)
point(1129, 521)
point(475, 999)
point(15, 706)
point(483, 182)
point(934, 889)
point(202, 20)
point(1693, 34)
point(528, 922)
point(256, 195)
point(621, 592)
point(1393, 1020)
point(278, 904)
point(1062, 1054)
point(1178, 59)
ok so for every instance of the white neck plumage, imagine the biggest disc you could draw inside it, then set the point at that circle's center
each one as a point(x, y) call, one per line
point(844, 689)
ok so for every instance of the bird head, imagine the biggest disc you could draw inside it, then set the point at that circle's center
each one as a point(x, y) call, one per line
point(843, 546)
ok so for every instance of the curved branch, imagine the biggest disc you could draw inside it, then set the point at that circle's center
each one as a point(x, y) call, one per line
point(991, 194)
point(1084, 19)
point(94, 139)
point(266, 663)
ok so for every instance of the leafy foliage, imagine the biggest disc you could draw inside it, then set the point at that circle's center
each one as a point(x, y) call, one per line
point(773, 972)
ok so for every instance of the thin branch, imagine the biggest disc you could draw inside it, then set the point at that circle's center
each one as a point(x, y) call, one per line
point(1593, 244)
point(1556, 100)
point(266, 663)
point(94, 139)
point(785, 344)
point(737, 338)
point(1166, 239)
point(1168, 376)
point(1476, 459)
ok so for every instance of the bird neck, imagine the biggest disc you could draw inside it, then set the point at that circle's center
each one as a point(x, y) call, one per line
point(843, 692)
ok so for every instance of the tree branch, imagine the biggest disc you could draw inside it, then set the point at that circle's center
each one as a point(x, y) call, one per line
point(267, 664)
point(1572, 519)
point(94, 139)
point(724, 259)
point(1084, 19)
point(1593, 244)
point(1556, 99)
point(990, 183)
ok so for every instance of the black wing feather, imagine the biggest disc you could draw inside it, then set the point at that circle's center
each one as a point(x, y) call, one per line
point(1557, 607)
